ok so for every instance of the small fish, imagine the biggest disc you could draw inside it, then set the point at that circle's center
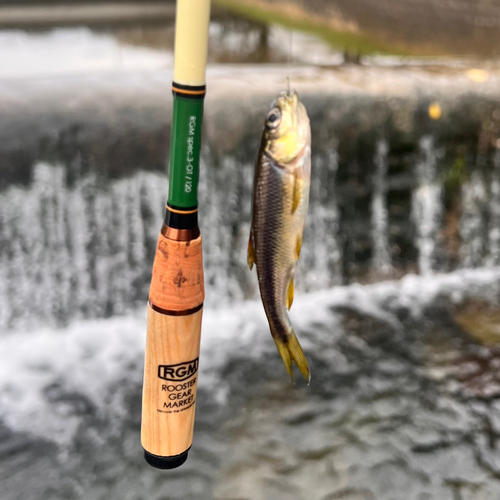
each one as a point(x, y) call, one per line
point(279, 209)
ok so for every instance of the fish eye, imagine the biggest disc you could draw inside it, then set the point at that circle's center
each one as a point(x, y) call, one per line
point(273, 118)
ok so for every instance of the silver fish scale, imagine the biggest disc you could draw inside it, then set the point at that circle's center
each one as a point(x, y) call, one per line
point(275, 231)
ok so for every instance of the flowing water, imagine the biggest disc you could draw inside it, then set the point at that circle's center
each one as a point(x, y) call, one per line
point(427, 205)
point(402, 398)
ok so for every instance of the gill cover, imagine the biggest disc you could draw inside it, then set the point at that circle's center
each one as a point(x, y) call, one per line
point(286, 128)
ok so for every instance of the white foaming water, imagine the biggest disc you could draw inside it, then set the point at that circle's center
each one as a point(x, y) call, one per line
point(80, 50)
point(92, 358)
point(226, 236)
point(427, 205)
point(381, 258)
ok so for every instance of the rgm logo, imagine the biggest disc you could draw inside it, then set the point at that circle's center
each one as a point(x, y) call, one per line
point(178, 373)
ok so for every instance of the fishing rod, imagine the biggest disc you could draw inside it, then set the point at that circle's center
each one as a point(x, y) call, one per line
point(177, 288)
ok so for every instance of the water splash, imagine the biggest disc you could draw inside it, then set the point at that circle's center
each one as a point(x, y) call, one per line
point(94, 358)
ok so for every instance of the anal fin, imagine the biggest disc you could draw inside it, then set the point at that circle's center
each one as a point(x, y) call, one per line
point(250, 252)
point(299, 245)
point(290, 293)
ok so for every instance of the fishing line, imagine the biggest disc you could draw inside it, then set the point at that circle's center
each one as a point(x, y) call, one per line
point(290, 44)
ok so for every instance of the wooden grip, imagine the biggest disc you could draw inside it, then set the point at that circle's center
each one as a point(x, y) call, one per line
point(172, 347)
point(170, 382)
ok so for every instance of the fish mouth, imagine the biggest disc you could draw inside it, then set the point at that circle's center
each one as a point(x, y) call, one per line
point(291, 108)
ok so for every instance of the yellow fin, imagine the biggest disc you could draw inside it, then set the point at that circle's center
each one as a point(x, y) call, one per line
point(285, 355)
point(297, 192)
point(289, 296)
point(290, 350)
point(250, 252)
point(299, 245)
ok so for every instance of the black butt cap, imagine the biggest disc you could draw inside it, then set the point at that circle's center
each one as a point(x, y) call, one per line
point(165, 462)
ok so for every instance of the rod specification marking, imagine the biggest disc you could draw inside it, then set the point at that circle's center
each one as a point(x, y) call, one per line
point(188, 184)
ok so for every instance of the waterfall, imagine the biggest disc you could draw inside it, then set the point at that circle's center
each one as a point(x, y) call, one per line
point(472, 228)
point(85, 248)
point(427, 206)
point(381, 258)
point(494, 209)
point(320, 265)
point(80, 250)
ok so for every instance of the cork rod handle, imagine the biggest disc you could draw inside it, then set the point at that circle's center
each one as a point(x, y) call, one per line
point(172, 351)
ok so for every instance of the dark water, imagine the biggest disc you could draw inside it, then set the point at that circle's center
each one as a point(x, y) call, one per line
point(401, 400)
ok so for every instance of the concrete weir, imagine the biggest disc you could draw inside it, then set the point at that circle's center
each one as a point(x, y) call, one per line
point(118, 122)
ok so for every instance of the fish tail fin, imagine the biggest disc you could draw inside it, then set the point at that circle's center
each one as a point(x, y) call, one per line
point(290, 350)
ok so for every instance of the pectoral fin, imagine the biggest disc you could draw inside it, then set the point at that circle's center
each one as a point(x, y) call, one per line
point(289, 296)
point(250, 252)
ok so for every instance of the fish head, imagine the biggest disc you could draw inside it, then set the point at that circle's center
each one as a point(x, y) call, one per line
point(287, 131)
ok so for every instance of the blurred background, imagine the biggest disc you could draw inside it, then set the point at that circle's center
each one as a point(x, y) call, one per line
point(398, 284)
